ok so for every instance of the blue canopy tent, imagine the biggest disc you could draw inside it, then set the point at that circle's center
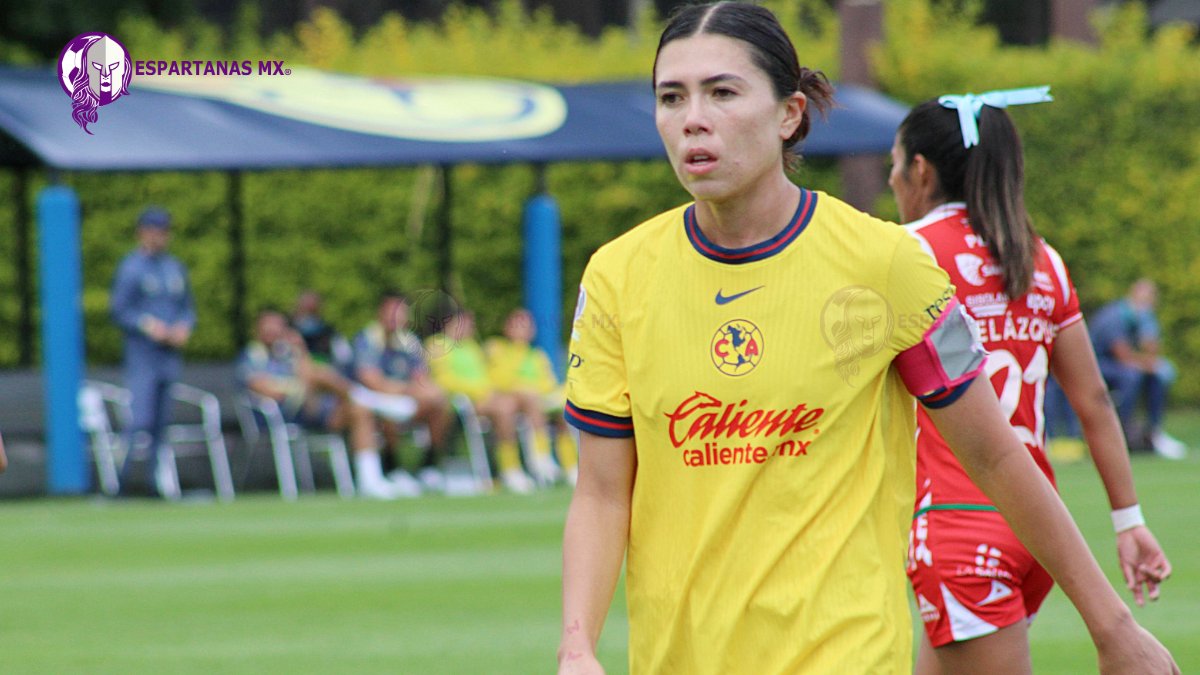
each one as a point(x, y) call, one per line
point(310, 119)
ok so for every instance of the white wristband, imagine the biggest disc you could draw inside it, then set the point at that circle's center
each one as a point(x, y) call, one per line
point(1127, 518)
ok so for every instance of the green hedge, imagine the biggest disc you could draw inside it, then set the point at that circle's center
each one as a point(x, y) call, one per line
point(1113, 166)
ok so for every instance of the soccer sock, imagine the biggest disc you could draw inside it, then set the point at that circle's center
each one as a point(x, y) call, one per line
point(508, 457)
point(431, 457)
point(541, 443)
point(568, 453)
point(388, 459)
point(368, 465)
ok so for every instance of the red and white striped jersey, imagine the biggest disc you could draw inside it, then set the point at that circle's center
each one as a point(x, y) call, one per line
point(1018, 333)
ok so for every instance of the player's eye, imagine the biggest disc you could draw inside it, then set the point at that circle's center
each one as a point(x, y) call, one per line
point(669, 98)
point(724, 93)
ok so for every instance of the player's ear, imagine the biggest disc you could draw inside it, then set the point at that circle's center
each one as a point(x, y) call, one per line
point(793, 114)
point(923, 172)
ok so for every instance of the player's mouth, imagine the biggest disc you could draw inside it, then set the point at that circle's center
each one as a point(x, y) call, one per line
point(699, 161)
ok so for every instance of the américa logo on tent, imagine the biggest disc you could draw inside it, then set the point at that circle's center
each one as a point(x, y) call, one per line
point(94, 69)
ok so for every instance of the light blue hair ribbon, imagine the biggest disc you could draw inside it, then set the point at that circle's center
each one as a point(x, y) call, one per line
point(969, 106)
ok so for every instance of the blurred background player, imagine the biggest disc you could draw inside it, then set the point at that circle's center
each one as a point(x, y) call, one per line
point(324, 343)
point(459, 365)
point(1126, 337)
point(389, 359)
point(152, 303)
point(277, 365)
point(957, 166)
point(519, 367)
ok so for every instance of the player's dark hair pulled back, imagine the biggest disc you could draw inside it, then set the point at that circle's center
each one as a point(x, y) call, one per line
point(989, 177)
point(770, 49)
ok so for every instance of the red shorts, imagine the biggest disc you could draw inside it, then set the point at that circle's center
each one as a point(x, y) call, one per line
point(971, 576)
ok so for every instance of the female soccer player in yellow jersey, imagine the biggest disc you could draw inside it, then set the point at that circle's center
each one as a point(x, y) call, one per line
point(743, 371)
point(958, 174)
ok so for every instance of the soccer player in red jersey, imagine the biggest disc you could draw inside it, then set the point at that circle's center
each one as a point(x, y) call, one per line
point(958, 171)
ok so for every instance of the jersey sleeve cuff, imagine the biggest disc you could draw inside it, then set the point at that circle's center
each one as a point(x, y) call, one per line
point(600, 424)
point(945, 396)
point(1074, 318)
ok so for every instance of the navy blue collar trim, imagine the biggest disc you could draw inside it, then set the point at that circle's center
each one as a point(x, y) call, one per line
point(736, 256)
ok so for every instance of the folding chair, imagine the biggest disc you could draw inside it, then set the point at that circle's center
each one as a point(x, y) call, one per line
point(204, 433)
point(100, 403)
point(542, 477)
point(107, 444)
point(291, 445)
point(473, 432)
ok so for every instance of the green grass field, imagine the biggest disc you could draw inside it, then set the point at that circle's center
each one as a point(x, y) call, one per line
point(435, 585)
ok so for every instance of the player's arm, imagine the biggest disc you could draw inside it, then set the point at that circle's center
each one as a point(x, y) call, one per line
point(266, 385)
point(1143, 562)
point(3, 457)
point(181, 330)
point(188, 315)
point(1124, 353)
point(999, 464)
point(594, 542)
point(373, 378)
point(125, 305)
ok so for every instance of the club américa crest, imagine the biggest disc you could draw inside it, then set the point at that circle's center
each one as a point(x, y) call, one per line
point(736, 347)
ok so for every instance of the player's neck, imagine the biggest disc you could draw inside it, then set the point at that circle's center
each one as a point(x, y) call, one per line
point(749, 218)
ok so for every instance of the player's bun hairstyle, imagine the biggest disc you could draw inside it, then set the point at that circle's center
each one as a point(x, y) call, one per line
point(989, 177)
point(770, 49)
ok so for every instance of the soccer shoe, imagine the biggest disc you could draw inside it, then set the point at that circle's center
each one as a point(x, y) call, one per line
point(517, 481)
point(403, 484)
point(545, 471)
point(370, 489)
point(379, 487)
point(1167, 446)
point(432, 479)
point(391, 406)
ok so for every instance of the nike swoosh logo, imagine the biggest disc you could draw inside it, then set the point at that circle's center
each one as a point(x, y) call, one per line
point(726, 299)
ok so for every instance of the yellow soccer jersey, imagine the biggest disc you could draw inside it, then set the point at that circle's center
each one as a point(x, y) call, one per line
point(774, 436)
point(514, 366)
point(459, 366)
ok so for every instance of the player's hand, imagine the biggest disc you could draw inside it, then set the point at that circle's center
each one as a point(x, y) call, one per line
point(293, 337)
point(154, 329)
point(1134, 651)
point(1143, 563)
point(578, 662)
point(179, 334)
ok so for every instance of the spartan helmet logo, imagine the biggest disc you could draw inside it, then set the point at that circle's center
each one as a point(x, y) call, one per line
point(105, 61)
point(94, 69)
point(856, 322)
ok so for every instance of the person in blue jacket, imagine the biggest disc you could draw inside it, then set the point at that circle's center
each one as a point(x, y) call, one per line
point(152, 304)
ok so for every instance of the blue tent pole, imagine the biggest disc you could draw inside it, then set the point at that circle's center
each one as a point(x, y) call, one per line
point(62, 338)
point(543, 269)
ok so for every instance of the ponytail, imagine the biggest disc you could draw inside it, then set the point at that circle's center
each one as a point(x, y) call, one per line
point(994, 188)
point(989, 176)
